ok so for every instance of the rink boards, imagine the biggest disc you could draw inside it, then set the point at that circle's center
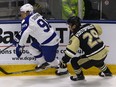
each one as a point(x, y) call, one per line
point(10, 63)
point(49, 71)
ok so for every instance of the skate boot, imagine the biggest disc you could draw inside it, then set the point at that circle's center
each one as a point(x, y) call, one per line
point(77, 77)
point(61, 70)
point(42, 66)
point(102, 74)
point(106, 73)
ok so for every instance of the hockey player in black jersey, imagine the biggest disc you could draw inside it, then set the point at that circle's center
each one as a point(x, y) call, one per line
point(87, 38)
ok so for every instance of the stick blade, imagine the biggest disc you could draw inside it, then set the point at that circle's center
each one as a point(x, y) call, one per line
point(3, 71)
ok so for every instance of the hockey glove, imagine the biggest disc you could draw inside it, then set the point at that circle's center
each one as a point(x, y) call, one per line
point(19, 50)
point(64, 61)
point(62, 64)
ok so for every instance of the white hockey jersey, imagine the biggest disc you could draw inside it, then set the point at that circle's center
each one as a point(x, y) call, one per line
point(37, 27)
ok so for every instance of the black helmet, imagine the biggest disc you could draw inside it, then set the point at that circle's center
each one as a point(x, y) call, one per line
point(74, 20)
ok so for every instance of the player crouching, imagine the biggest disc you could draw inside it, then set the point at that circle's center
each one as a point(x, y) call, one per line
point(95, 51)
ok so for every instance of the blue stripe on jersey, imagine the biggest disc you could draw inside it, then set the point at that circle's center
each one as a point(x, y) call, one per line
point(39, 56)
point(49, 39)
point(25, 24)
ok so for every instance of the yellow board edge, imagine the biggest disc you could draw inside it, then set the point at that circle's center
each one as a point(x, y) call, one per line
point(50, 71)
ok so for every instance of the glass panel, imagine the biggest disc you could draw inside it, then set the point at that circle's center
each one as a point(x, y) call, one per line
point(61, 9)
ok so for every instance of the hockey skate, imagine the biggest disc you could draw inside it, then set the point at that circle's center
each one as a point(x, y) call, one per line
point(61, 70)
point(42, 66)
point(78, 77)
point(106, 73)
point(103, 74)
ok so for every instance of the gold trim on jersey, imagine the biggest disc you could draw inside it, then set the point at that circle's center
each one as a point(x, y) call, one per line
point(69, 53)
point(72, 47)
point(99, 55)
point(96, 51)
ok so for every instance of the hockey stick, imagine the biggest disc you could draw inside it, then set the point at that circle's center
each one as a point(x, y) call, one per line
point(18, 72)
point(7, 47)
point(11, 44)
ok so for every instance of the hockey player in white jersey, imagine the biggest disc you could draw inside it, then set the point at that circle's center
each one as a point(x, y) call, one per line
point(44, 39)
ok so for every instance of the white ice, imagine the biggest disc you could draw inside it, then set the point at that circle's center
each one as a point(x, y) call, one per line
point(56, 81)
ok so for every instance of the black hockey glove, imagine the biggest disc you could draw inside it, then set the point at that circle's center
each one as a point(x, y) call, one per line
point(64, 61)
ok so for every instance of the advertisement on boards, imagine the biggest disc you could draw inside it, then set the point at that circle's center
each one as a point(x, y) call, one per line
point(8, 56)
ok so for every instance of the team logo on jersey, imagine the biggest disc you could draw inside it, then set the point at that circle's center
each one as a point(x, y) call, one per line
point(24, 25)
point(70, 42)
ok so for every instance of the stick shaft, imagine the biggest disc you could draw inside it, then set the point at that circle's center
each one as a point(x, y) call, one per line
point(18, 72)
point(7, 47)
point(30, 70)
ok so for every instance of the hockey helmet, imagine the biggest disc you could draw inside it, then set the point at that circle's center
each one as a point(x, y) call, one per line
point(74, 20)
point(27, 8)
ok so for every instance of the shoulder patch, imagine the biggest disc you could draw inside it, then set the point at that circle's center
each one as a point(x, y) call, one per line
point(70, 42)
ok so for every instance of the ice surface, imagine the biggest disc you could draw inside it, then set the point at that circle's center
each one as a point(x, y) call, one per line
point(56, 81)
